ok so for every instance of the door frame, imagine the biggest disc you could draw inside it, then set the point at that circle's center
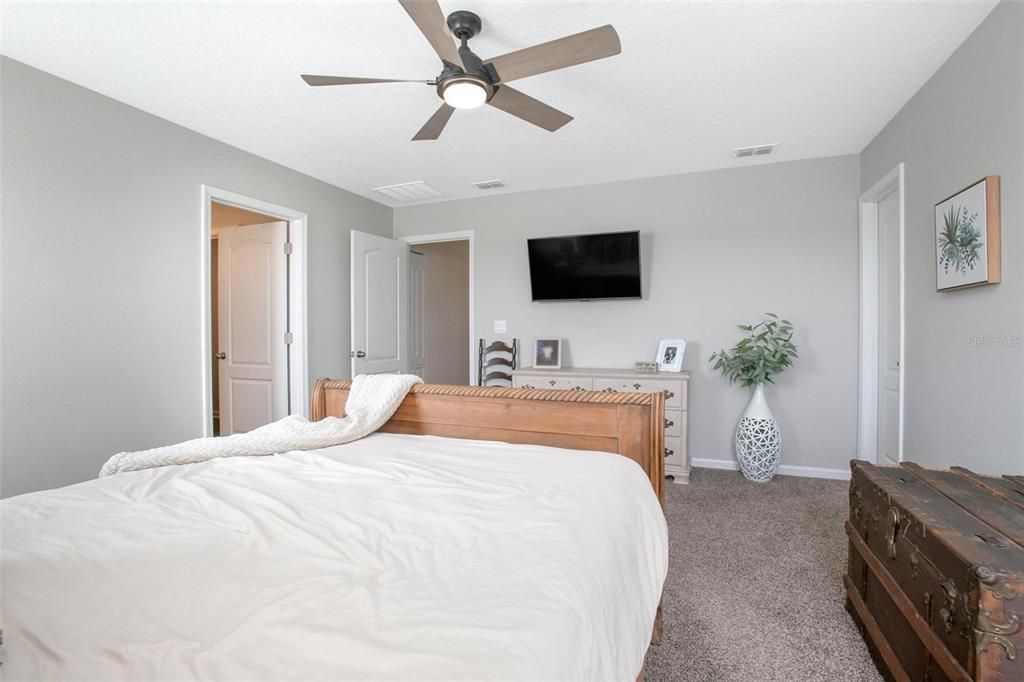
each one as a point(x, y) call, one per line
point(461, 236)
point(298, 353)
point(867, 431)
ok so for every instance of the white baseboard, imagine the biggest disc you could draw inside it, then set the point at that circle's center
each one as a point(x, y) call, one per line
point(784, 469)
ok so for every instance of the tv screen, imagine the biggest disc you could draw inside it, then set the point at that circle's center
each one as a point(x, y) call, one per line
point(585, 266)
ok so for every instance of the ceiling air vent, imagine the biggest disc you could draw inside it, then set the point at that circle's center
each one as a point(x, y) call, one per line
point(756, 150)
point(408, 191)
point(488, 184)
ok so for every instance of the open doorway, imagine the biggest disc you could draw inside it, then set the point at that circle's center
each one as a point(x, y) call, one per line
point(254, 313)
point(882, 314)
point(440, 308)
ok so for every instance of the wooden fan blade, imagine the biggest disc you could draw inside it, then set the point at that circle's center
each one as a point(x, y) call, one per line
point(345, 80)
point(579, 48)
point(429, 18)
point(431, 130)
point(533, 111)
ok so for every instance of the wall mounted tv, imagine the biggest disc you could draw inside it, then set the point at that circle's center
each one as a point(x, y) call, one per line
point(583, 267)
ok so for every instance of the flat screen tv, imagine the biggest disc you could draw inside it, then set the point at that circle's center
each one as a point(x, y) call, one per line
point(584, 267)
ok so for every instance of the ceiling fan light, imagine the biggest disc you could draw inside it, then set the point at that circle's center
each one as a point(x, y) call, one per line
point(465, 94)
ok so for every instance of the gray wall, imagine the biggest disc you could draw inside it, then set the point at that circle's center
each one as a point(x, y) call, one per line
point(718, 249)
point(101, 274)
point(964, 399)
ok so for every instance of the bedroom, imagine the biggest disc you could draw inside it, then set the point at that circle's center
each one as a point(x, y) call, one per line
point(117, 116)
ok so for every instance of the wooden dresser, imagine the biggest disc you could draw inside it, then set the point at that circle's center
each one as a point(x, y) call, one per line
point(673, 384)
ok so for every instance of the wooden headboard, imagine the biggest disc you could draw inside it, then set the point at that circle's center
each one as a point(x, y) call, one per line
point(631, 424)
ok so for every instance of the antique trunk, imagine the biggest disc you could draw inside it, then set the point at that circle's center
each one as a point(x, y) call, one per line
point(936, 572)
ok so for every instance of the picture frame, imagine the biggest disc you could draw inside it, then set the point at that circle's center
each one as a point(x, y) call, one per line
point(547, 353)
point(967, 237)
point(670, 355)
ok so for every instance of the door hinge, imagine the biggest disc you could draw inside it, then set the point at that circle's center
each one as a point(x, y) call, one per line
point(288, 248)
point(288, 338)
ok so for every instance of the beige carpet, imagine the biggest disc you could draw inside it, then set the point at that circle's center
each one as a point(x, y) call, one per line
point(754, 590)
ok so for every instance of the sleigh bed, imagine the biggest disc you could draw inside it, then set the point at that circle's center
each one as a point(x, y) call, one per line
point(481, 533)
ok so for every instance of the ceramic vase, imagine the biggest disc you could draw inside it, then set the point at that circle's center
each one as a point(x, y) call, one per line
point(758, 440)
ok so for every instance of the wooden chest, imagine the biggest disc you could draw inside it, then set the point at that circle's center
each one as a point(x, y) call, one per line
point(936, 572)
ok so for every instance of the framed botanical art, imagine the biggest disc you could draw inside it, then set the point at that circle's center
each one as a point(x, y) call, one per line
point(967, 237)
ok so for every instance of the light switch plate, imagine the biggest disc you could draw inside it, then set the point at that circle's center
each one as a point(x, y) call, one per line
point(500, 326)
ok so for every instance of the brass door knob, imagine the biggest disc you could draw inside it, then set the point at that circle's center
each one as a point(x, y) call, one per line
point(222, 355)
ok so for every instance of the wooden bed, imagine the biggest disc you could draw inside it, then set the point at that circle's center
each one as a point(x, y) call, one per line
point(630, 424)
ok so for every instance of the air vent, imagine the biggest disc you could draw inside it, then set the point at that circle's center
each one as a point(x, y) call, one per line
point(408, 191)
point(488, 184)
point(757, 150)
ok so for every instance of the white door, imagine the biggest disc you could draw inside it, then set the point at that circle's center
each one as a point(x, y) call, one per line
point(252, 306)
point(417, 331)
point(380, 305)
point(889, 329)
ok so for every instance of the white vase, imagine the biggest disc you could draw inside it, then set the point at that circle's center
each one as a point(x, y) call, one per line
point(758, 440)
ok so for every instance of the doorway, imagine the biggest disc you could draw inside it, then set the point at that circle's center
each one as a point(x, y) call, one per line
point(254, 312)
point(882, 311)
point(442, 347)
point(412, 306)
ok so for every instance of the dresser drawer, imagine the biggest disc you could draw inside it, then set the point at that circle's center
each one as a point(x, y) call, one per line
point(675, 391)
point(674, 423)
point(566, 383)
point(674, 451)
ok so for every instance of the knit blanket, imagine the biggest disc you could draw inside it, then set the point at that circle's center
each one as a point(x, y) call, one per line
point(372, 400)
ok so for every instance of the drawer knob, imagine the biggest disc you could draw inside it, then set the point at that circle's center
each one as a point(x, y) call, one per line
point(552, 382)
point(669, 422)
point(637, 386)
point(669, 452)
point(669, 394)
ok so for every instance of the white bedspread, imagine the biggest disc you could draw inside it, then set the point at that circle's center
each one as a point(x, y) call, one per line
point(390, 558)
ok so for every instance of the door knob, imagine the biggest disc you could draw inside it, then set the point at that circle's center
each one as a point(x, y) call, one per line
point(360, 354)
point(222, 355)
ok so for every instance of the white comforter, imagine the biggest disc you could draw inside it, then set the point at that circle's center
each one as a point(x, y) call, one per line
point(390, 558)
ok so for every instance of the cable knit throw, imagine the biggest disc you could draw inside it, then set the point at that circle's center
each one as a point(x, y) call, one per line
point(372, 400)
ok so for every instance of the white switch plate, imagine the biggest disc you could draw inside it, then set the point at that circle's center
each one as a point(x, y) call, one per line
point(500, 326)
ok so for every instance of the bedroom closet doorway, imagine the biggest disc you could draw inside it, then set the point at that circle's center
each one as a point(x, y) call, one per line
point(254, 312)
point(442, 350)
point(412, 306)
point(882, 320)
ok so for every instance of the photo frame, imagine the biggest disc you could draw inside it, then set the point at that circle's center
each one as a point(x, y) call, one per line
point(670, 355)
point(967, 237)
point(547, 353)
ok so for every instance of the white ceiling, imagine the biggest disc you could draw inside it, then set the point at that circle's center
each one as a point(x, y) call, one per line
point(694, 80)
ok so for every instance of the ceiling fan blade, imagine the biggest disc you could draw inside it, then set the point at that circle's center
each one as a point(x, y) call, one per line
point(431, 130)
point(345, 80)
point(533, 111)
point(579, 48)
point(429, 18)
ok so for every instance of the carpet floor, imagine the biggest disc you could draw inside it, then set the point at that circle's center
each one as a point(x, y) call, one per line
point(754, 590)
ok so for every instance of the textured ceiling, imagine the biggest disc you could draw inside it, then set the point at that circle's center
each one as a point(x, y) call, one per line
point(693, 81)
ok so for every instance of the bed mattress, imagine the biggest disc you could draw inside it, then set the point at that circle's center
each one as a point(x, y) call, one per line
point(390, 558)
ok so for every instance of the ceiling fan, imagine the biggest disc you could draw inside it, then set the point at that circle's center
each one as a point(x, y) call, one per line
point(467, 82)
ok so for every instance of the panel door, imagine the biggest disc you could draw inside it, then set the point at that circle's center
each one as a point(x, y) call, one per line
point(252, 318)
point(380, 299)
point(889, 329)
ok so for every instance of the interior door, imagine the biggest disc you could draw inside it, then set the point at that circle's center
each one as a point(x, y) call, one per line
point(380, 305)
point(889, 329)
point(252, 305)
point(417, 330)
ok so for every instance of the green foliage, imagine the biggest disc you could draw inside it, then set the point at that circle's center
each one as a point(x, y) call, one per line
point(960, 240)
point(766, 350)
